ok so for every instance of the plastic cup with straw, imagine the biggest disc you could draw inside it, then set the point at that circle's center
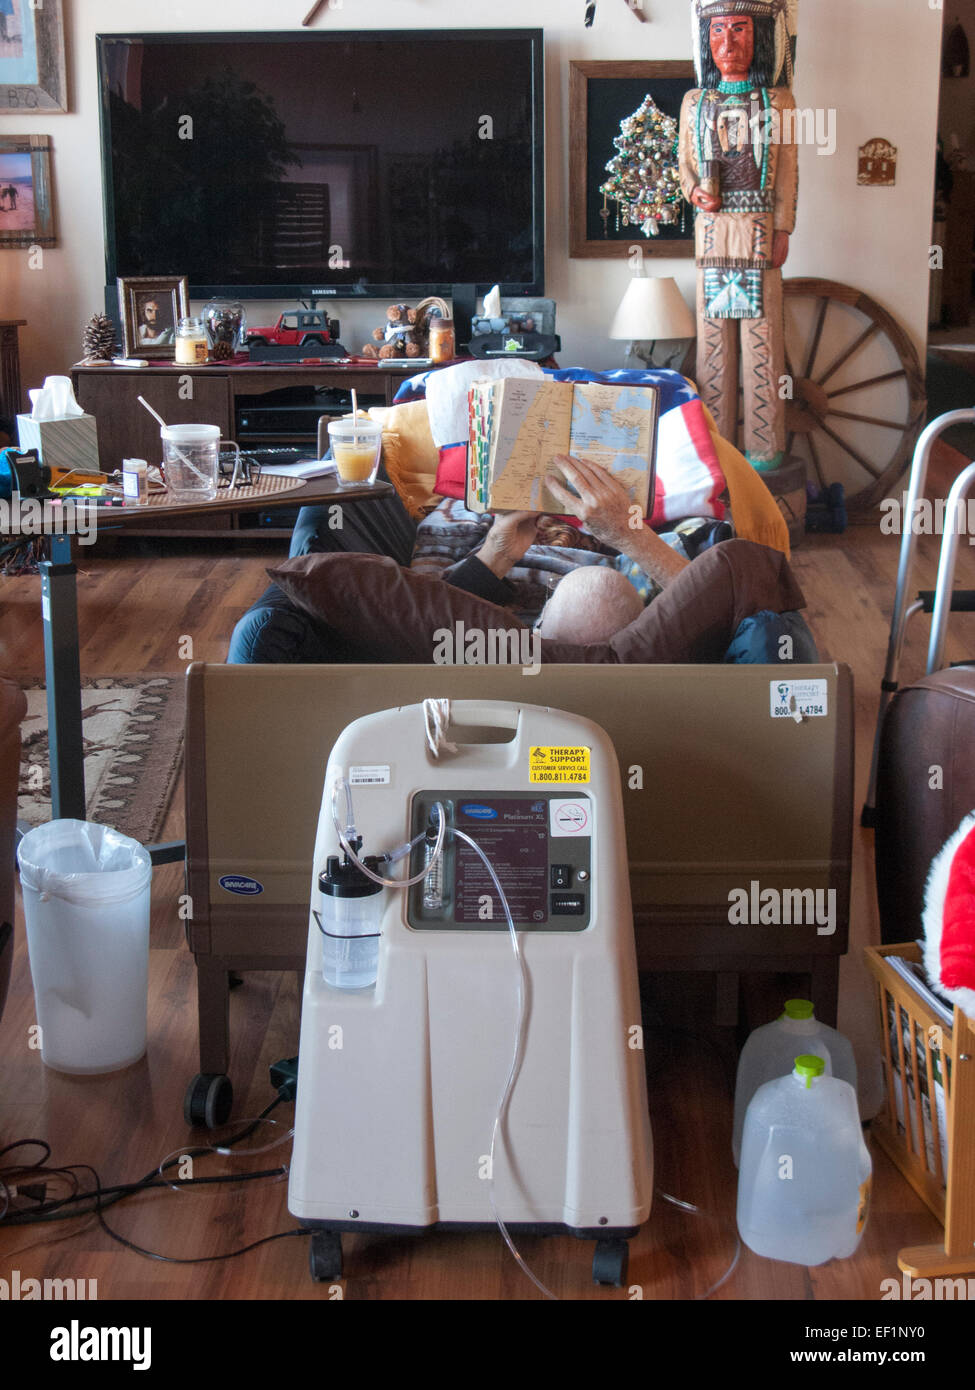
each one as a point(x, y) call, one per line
point(355, 447)
point(207, 482)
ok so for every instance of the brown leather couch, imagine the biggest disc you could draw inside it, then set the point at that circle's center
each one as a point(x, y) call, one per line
point(929, 725)
point(13, 707)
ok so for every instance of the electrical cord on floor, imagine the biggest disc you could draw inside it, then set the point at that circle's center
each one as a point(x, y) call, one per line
point(32, 1180)
point(54, 1210)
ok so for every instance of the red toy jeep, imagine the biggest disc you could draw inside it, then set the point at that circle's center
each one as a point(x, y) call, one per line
point(297, 328)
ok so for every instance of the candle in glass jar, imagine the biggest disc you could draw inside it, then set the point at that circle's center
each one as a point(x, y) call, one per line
point(442, 340)
point(191, 342)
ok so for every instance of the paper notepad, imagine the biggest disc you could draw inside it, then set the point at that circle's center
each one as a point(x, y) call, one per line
point(304, 468)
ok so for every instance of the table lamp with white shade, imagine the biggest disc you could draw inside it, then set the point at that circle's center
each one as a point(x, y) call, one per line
point(652, 310)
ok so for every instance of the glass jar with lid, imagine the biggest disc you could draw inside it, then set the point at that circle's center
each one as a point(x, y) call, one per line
point(225, 323)
point(442, 346)
point(191, 342)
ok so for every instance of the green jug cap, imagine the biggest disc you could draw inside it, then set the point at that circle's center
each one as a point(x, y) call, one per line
point(808, 1067)
point(798, 1008)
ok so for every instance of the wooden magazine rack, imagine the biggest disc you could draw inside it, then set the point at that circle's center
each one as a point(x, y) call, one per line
point(913, 1138)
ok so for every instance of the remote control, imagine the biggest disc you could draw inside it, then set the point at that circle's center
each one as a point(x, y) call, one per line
point(129, 362)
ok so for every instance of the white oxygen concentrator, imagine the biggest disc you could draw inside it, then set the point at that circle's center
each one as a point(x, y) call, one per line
point(400, 1082)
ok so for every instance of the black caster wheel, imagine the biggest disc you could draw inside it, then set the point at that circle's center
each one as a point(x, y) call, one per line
point(325, 1256)
point(209, 1099)
point(610, 1262)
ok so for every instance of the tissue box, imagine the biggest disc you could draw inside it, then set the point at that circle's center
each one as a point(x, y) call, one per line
point(71, 443)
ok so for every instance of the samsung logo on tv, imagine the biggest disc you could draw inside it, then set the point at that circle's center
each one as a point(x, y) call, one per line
point(316, 293)
point(480, 812)
point(237, 883)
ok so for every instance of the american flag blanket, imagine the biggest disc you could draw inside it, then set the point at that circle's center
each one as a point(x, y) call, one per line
point(689, 481)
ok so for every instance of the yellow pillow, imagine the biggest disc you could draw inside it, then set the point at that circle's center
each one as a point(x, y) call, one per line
point(409, 453)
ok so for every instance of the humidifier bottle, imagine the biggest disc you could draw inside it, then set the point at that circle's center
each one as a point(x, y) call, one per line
point(351, 916)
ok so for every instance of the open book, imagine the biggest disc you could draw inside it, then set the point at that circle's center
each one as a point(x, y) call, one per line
point(518, 425)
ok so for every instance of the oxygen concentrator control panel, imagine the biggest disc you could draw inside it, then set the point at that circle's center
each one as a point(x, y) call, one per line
point(539, 844)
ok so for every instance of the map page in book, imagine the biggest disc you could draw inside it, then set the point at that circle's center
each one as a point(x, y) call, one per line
point(520, 425)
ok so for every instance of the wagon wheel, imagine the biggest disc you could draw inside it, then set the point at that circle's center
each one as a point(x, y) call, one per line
point(858, 391)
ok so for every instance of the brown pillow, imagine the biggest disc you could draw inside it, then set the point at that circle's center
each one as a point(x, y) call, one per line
point(376, 603)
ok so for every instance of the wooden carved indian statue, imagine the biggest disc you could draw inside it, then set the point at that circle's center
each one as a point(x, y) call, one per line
point(738, 167)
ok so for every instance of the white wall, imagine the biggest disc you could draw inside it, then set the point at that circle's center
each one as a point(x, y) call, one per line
point(876, 61)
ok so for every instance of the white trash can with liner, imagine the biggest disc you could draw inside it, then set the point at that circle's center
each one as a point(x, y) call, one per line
point(86, 906)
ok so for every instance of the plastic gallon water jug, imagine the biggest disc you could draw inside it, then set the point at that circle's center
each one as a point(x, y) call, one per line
point(86, 907)
point(771, 1050)
point(804, 1182)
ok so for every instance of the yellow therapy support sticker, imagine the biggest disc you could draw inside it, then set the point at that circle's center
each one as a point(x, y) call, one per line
point(560, 764)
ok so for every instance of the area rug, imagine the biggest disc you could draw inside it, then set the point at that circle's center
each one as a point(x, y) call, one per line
point(132, 728)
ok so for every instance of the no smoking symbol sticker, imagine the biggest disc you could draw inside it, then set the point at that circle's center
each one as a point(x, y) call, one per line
point(572, 818)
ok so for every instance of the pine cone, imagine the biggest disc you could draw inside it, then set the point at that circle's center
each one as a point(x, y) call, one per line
point(98, 339)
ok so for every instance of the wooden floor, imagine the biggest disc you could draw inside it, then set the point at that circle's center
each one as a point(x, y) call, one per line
point(137, 607)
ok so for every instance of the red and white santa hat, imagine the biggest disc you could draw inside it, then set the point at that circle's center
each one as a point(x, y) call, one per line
point(949, 919)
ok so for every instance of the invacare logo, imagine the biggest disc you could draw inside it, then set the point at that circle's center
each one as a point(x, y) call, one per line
point(77, 1343)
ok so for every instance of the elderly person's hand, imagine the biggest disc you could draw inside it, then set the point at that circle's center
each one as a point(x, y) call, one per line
point(603, 504)
point(510, 536)
point(605, 507)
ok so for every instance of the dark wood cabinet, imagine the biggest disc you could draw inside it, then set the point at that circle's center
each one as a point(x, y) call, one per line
point(11, 396)
point(126, 429)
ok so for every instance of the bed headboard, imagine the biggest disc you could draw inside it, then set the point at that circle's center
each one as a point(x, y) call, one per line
point(718, 792)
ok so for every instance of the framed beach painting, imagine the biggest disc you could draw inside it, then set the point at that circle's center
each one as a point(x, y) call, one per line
point(26, 203)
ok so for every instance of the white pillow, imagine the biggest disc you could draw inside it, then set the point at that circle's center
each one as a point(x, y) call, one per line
point(447, 394)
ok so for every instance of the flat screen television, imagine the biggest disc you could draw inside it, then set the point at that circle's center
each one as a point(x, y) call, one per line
point(387, 164)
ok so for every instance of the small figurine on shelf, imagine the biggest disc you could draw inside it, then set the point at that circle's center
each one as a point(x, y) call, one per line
point(397, 335)
point(406, 332)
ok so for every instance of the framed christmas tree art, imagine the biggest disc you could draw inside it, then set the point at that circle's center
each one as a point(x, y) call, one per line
point(623, 173)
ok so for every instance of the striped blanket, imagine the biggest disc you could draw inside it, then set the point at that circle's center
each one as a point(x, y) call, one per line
point(450, 533)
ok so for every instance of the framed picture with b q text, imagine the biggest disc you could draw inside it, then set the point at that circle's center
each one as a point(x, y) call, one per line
point(32, 75)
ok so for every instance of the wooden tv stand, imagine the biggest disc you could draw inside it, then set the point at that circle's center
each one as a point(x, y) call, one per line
point(209, 395)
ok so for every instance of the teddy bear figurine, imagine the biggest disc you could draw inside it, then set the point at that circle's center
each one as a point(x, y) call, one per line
point(397, 335)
